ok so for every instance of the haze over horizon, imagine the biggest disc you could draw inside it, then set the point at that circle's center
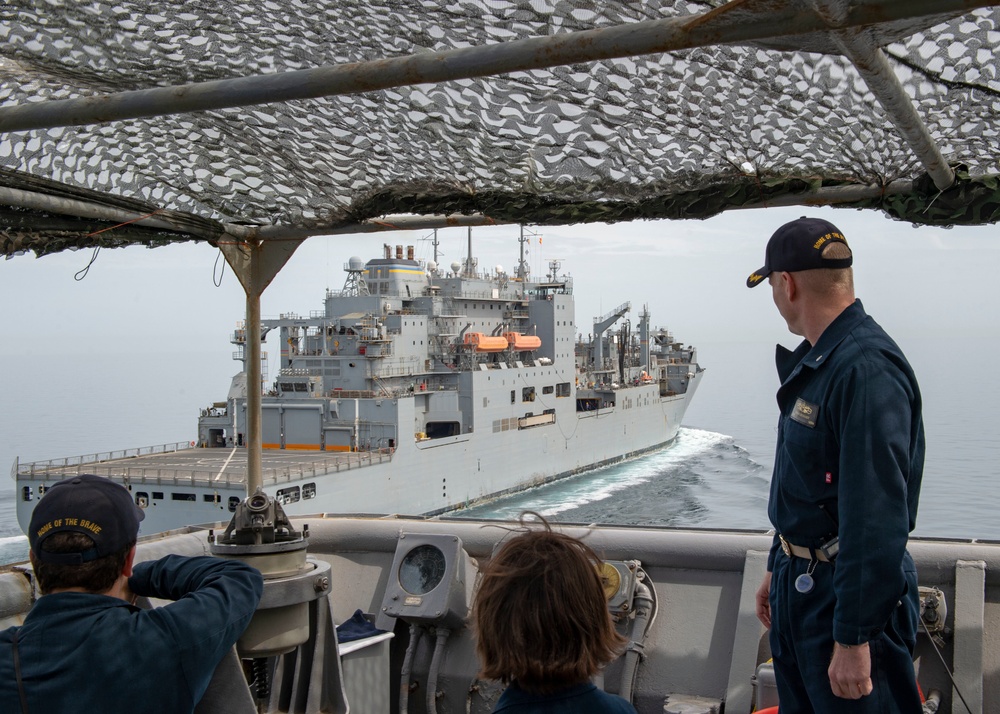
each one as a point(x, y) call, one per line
point(915, 281)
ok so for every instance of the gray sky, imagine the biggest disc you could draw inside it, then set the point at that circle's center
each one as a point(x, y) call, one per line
point(916, 281)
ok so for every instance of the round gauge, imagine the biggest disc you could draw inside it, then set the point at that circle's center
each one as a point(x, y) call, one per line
point(611, 579)
point(422, 570)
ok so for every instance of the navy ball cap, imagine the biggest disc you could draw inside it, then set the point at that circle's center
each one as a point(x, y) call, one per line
point(92, 505)
point(798, 245)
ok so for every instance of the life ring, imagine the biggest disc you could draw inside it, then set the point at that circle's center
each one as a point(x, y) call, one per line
point(192, 444)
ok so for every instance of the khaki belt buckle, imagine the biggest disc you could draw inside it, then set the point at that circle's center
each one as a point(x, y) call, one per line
point(785, 545)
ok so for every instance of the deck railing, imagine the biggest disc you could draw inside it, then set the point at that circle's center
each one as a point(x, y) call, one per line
point(206, 476)
point(101, 456)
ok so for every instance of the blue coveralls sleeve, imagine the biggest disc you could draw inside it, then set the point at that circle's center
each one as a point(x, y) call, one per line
point(875, 403)
point(214, 601)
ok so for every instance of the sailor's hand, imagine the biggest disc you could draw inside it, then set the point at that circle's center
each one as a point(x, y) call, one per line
point(850, 671)
point(764, 601)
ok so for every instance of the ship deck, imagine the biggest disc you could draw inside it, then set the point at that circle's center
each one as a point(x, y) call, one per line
point(221, 467)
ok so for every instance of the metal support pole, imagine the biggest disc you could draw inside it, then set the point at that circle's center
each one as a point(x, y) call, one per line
point(255, 264)
point(727, 24)
point(882, 81)
point(255, 433)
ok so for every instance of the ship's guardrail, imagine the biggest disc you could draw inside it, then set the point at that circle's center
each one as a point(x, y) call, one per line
point(234, 475)
point(99, 457)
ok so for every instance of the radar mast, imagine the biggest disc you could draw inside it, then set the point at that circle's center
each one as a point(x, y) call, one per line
point(355, 283)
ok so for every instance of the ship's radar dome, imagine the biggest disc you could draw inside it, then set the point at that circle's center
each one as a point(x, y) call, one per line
point(432, 266)
point(456, 266)
point(355, 263)
point(499, 270)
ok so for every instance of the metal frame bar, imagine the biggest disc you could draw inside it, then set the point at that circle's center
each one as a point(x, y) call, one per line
point(649, 37)
point(874, 68)
point(823, 196)
point(86, 209)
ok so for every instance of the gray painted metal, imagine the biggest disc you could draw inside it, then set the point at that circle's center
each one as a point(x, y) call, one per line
point(705, 642)
point(748, 632)
point(970, 582)
point(719, 26)
point(15, 595)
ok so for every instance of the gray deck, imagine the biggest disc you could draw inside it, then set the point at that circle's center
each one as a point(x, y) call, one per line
point(203, 466)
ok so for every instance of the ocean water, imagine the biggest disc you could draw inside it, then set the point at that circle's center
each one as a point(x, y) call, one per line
point(715, 474)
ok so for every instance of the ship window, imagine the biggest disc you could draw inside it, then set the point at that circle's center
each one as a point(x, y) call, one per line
point(308, 491)
point(300, 387)
point(141, 499)
point(441, 429)
point(512, 397)
point(26, 493)
point(287, 495)
point(562, 389)
point(234, 501)
point(182, 496)
point(547, 390)
point(211, 497)
point(42, 490)
point(157, 495)
point(528, 394)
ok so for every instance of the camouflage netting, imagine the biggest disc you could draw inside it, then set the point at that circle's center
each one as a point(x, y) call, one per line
point(680, 135)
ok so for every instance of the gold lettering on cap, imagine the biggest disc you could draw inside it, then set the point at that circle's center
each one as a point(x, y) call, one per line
point(829, 237)
point(756, 278)
point(44, 529)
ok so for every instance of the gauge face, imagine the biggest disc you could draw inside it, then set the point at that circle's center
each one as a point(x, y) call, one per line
point(611, 579)
point(422, 570)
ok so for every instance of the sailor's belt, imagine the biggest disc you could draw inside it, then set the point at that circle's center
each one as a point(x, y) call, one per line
point(800, 551)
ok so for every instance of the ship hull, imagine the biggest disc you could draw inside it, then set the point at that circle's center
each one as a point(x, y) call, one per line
point(416, 478)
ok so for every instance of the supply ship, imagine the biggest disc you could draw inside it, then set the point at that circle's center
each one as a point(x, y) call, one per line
point(416, 390)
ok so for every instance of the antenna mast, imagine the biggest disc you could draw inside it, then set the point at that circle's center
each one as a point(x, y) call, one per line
point(522, 265)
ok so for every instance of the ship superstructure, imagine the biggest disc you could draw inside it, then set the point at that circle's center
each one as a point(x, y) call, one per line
point(418, 390)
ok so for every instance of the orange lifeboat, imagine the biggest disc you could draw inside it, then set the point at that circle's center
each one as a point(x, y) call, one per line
point(521, 343)
point(485, 343)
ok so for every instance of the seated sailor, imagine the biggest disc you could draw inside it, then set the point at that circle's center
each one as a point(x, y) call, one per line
point(542, 627)
point(84, 645)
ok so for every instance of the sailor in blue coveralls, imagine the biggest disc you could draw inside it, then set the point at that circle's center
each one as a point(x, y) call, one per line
point(840, 595)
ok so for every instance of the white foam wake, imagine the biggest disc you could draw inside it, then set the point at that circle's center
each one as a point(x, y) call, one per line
point(602, 483)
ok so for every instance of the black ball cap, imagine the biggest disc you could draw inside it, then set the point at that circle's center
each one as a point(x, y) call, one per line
point(92, 505)
point(798, 245)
